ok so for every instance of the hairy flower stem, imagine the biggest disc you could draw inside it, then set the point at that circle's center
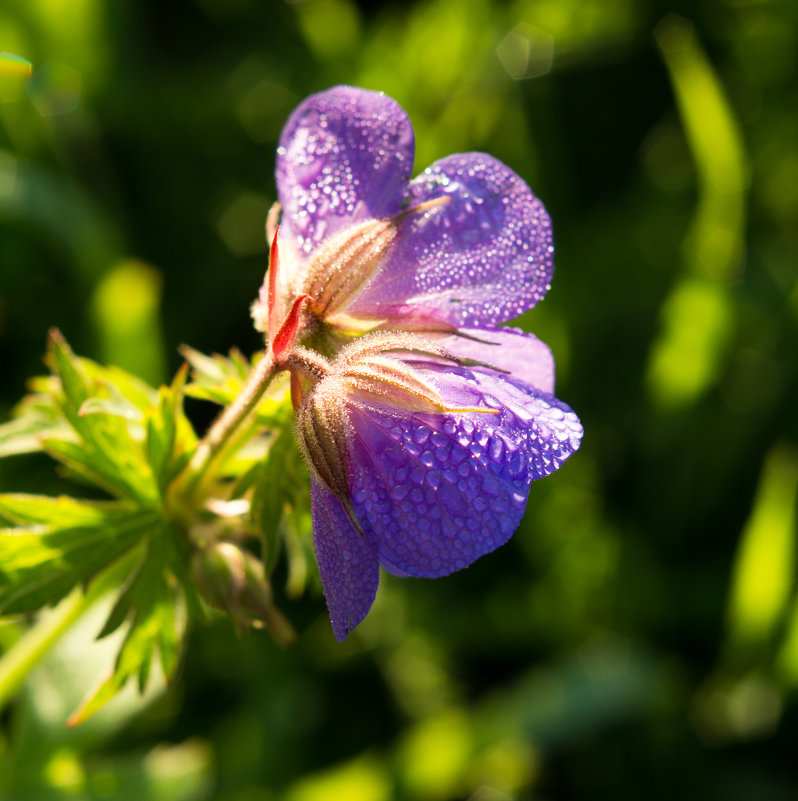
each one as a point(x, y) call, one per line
point(228, 423)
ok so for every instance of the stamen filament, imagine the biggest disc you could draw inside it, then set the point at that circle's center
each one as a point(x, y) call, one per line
point(425, 206)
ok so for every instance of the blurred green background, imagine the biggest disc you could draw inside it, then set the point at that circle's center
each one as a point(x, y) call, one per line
point(638, 638)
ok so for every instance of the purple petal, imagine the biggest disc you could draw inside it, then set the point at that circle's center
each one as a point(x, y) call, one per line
point(484, 257)
point(510, 350)
point(345, 155)
point(551, 430)
point(347, 562)
point(437, 491)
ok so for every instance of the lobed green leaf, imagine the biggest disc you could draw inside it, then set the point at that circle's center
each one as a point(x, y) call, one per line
point(152, 605)
point(34, 417)
point(79, 462)
point(60, 543)
point(220, 379)
point(280, 488)
point(170, 439)
point(109, 450)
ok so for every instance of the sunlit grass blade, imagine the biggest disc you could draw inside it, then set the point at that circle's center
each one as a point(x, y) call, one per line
point(698, 316)
point(765, 563)
point(714, 243)
point(125, 309)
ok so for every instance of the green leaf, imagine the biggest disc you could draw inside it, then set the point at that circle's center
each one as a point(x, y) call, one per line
point(61, 543)
point(170, 438)
point(130, 387)
point(35, 416)
point(281, 486)
point(161, 439)
point(220, 379)
point(120, 408)
point(153, 604)
point(80, 462)
point(295, 531)
point(40, 414)
point(245, 481)
point(110, 452)
point(59, 512)
point(216, 370)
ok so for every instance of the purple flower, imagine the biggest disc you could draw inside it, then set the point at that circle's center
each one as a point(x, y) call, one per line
point(424, 435)
point(463, 246)
point(418, 464)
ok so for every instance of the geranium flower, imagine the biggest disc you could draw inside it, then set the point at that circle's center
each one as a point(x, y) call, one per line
point(459, 249)
point(418, 463)
point(424, 433)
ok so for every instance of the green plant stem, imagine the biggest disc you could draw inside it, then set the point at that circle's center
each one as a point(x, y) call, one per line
point(35, 643)
point(225, 426)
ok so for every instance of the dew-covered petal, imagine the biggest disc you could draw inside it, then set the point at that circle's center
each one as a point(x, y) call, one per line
point(550, 429)
point(510, 350)
point(345, 156)
point(431, 505)
point(437, 491)
point(347, 561)
point(483, 257)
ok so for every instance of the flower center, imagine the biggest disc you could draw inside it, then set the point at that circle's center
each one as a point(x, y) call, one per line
point(346, 263)
point(369, 372)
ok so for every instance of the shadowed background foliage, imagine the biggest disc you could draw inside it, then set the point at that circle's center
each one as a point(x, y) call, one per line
point(639, 635)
